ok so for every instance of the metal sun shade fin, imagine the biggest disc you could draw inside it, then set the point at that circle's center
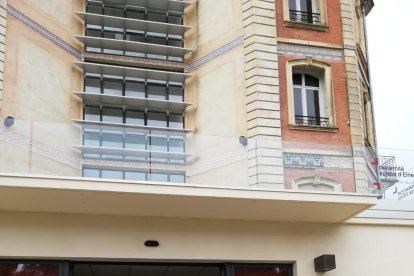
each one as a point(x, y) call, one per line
point(133, 102)
point(132, 46)
point(132, 72)
point(167, 5)
point(132, 152)
point(117, 126)
point(133, 24)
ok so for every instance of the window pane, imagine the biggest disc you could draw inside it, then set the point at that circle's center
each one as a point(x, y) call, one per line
point(156, 91)
point(158, 17)
point(176, 121)
point(292, 5)
point(93, 85)
point(91, 138)
point(156, 38)
point(93, 32)
point(176, 144)
point(112, 88)
point(137, 176)
point(311, 81)
point(29, 269)
point(175, 19)
point(93, 173)
point(135, 36)
point(157, 119)
point(298, 101)
point(158, 143)
point(113, 34)
point(112, 140)
point(114, 11)
point(297, 79)
point(159, 177)
point(175, 42)
point(303, 5)
point(135, 141)
point(94, 8)
point(176, 93)
point(135, 14)
point(134, 89)
point(312, 103)
point(135, 118)
point(177, 178)
point(112, 174)
point(92, 114)
point(112, 115)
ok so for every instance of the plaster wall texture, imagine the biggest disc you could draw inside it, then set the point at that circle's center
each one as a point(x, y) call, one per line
point(39, 76)
point(3, 27)
point(216, 90)
point(39, 80)
point(359, 249)
point(214, 23)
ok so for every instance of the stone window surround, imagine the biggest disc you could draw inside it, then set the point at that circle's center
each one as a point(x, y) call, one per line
point(316, 66)
point(324, 18)
point(316, 181)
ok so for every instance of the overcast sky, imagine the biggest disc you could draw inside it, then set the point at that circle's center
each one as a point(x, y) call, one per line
point(391, 51)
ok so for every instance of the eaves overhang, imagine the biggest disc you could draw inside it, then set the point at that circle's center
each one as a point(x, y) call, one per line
point(100, 197)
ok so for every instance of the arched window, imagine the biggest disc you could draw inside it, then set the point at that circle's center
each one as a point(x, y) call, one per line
point(305, 11)
point(310, 95)
point(309, 100)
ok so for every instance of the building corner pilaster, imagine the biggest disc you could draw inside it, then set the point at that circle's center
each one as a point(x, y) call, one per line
point(265, 165)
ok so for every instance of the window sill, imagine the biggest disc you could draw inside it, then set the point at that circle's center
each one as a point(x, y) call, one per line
point(314, 128)
point(301, 25)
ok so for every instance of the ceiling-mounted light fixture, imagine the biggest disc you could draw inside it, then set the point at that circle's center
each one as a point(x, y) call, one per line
point(151, 243)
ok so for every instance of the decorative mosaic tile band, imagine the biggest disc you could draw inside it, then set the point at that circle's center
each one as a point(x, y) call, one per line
point(41, 30)
point(297, 50)
point(313, 161)
point(216, 53)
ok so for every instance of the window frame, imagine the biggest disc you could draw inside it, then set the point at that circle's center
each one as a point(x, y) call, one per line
point(304, 90)
point(322, 26)
point(325, 72)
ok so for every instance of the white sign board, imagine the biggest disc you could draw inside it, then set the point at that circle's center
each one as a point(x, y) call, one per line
point(403, 190)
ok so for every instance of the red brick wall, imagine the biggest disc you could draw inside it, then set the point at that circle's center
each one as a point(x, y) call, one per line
point(333, 35)
point(344, 176)
point(342, 137)
point(313, 140)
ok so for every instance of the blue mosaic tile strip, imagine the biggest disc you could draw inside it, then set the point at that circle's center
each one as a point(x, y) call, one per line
point(297, 50)
point(216, 53)
point(41, 30)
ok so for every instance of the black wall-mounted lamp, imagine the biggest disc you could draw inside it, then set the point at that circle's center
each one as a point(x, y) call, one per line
point(325, 263)
point(8, 121)
point(151, 243)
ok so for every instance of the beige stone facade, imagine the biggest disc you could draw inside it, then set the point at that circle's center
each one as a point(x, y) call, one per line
point(252, 185)
point(3, 26)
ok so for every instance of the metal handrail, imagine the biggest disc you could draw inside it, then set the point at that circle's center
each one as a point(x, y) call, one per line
point(311, 121)
point(305, 17)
